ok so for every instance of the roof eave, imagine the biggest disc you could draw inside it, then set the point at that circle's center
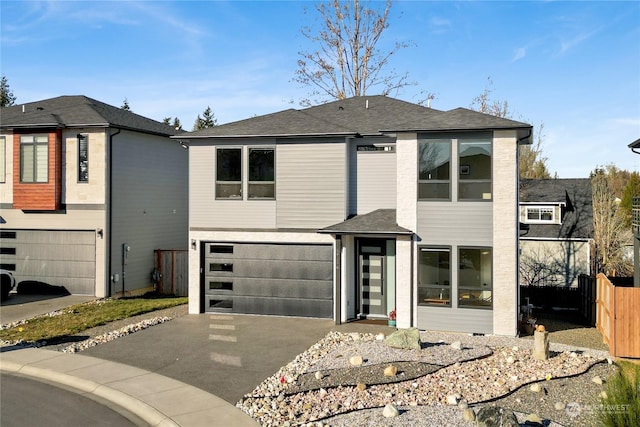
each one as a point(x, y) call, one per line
point(273, 135)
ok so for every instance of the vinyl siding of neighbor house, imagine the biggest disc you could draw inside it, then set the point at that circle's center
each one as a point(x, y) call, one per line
point(572, 255)
point(310, 184)
point(372, 177)
point(150, 203)
point(206, 211)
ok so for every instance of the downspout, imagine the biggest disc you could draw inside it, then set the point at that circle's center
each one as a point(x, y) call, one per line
point(110, 208)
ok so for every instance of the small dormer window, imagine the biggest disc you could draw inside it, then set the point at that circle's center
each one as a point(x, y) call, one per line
point(540, 214)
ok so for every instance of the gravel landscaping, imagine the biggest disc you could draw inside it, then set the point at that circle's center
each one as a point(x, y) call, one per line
point(433, 385)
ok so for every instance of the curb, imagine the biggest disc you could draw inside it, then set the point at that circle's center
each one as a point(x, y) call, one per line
point(132, 404)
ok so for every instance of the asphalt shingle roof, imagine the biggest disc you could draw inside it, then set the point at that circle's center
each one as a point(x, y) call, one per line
point(363, 115)
point(577, 221)
point(381, 221)
point(78, 111)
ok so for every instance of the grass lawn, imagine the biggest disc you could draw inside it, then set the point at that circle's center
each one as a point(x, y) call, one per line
point(80, 317)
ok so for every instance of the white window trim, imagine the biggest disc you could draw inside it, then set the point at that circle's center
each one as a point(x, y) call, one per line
point(552, 208)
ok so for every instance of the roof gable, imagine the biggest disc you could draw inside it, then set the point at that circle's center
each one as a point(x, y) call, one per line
point(577, 213)
point(78, 111)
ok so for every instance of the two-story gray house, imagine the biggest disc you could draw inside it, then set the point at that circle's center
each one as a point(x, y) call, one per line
point(357, 207)
point(87, 192)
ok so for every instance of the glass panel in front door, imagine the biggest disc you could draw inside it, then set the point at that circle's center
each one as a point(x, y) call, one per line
point(371, 266)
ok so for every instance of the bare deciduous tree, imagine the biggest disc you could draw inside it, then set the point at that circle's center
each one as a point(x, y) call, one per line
point(611, 235)
point(532, 163)
point(346, 61)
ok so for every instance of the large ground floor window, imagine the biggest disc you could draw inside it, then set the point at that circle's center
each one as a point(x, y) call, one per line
point(473, 281)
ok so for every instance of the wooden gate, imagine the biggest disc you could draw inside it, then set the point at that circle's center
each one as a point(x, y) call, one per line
point(171, 275)
point(618, 318)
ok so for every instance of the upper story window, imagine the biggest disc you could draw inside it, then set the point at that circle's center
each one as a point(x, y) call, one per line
point(3, 155)
point(540, 214)
point(434, 169)
point(83, 158)
point(34, 158)
point(260, 177)
point(229, 173)
point(474, 168)
point(262, 181)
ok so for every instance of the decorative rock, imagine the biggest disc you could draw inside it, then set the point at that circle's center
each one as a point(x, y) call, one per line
point(560, 406)
point(390, 411)
point(453, 399)
point(541, 328)
point(361, 386)
point(535, 388)
point(380, 337)
point(463, 405)
point(533, 419)
point(603, 394)
point(500, 382)
point(390, 371)
point(468, 415)
point(597, 380)
point(510, 360)
point(541, 345)
point(355, 360)
point(493, 416)
point(404, 338)
point(456, 345)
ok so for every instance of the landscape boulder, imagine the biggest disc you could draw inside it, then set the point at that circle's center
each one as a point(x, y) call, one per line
point(404, 338)
point(494, 416)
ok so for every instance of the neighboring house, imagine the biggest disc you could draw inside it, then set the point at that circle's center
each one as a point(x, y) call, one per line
point(87, 192)
point(635, 221)
point(555, 246)
point(355, 208)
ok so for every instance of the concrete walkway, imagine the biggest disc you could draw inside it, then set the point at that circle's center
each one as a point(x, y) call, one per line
point(156, 399)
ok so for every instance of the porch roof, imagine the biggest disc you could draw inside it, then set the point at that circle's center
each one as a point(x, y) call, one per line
point(381, 221)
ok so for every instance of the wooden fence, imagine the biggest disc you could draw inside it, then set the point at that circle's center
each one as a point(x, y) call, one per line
point(171, 275)
point(618, 318)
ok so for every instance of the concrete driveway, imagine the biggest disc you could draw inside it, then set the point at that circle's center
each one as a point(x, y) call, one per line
point(20, 307)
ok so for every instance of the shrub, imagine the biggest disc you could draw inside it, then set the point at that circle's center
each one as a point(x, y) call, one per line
point(621, 406)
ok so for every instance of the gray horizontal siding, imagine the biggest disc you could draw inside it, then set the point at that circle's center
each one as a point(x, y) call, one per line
point(455, 320)
point(374, 181)
point(311, 185)
point(206, 211)
point(466, 223)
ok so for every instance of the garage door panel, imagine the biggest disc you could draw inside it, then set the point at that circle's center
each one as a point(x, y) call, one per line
point(277, 279)
point(285, 288)
point(53, 252)
point(56, 257)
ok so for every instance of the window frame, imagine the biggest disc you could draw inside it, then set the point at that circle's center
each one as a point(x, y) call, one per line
point(440, 301)
point(35, 144)
point(540, 208)
point(254, 182)
point(225, 182)
point(423, 140)
point(465, 169)
point(83, 137)
point(478, 301)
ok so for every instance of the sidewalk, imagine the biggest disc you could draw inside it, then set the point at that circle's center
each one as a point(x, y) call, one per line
point(158, 400)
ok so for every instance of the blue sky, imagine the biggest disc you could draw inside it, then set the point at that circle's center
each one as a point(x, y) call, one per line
point(574, 66)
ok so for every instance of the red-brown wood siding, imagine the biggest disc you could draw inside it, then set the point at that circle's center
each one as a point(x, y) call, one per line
point(42, 195)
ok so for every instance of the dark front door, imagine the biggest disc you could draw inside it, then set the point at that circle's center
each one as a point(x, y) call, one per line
point(371, 274)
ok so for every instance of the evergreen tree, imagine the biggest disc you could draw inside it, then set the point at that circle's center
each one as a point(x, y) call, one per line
point(125, 105)
point(207, 120)
point(7, 98)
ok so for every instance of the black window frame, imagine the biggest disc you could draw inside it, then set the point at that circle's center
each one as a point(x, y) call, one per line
point(258, 177)
point(223, 176)
point(83, 158)
point(427, 181)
